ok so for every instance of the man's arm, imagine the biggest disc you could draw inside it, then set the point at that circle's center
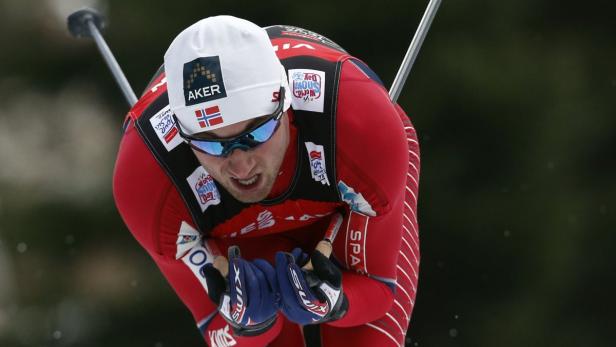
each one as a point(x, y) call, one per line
point(374, 159)
point(154, 213)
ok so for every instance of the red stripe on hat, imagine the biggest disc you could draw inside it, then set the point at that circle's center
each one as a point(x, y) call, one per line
point(211, 110)
point(216, 121)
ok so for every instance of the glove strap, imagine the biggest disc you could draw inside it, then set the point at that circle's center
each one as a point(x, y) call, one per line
point(325, 292)
point(253, 330)
point(339, 310)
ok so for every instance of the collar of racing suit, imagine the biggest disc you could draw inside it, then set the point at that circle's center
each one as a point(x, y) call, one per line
point(289, 163)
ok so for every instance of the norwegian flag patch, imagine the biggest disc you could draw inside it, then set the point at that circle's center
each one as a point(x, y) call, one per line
point(209, 116)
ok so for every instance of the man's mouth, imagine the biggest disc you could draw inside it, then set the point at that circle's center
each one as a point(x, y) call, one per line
point(246, 184)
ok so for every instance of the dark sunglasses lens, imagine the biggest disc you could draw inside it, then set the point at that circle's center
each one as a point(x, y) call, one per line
point(265, 131)
point(250, 140)
point(211, 148)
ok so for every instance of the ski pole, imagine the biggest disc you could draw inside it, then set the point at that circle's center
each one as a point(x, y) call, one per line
point(411, 53)
point(89, 23)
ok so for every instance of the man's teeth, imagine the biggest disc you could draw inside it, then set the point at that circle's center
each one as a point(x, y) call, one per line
point(248, 181)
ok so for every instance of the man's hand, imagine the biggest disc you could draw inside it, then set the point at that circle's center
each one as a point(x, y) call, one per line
point(246, 298)
point(310, 296)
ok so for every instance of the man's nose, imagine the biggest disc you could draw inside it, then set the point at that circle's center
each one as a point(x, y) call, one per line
point(241, 163)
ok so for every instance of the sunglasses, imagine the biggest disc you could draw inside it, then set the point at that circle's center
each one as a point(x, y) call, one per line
point(250, 138)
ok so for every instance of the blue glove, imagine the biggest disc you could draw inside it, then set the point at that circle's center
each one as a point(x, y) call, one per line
point(247, 299)
point(310, 297)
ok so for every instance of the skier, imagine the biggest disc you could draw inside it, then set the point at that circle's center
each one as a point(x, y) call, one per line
point(274, 184)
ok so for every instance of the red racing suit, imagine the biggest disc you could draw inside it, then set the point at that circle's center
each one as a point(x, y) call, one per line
point(377, 161)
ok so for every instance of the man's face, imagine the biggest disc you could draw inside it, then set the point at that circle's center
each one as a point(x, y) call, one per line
point(248, 175)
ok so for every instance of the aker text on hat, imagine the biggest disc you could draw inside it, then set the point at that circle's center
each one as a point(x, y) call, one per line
point(203, 80)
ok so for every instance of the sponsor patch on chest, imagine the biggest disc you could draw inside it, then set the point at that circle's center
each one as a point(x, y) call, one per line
point(307, 89)
point(204, 188)
point(316, 157)
point(165, 128)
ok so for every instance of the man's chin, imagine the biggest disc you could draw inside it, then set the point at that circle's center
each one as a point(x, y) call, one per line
point(248, 199)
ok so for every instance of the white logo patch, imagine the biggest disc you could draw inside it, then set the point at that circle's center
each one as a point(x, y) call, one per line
point(331, 293)
point(356, 201)
point(307, 89)
point(165, 128)
point(202, 184)
point(188, 237)
point(316, 157)
point(221, 338)
point(196, 259)
point(306, 217)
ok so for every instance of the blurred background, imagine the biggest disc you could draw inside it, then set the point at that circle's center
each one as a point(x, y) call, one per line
point(514, 104)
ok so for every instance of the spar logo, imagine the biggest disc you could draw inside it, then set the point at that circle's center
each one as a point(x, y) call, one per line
point(204, 188)
point(307, 89)
point(316, 155)
point(203, 80)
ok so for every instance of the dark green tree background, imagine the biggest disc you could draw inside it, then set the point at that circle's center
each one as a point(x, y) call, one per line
point(514, 104)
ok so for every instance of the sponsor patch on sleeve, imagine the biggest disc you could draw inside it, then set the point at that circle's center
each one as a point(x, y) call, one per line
point(356, 234)
point(307, 89)
point(188, 237)
point(204, 188)
point(356, 201)
point(165, 128)
point(196, 260)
